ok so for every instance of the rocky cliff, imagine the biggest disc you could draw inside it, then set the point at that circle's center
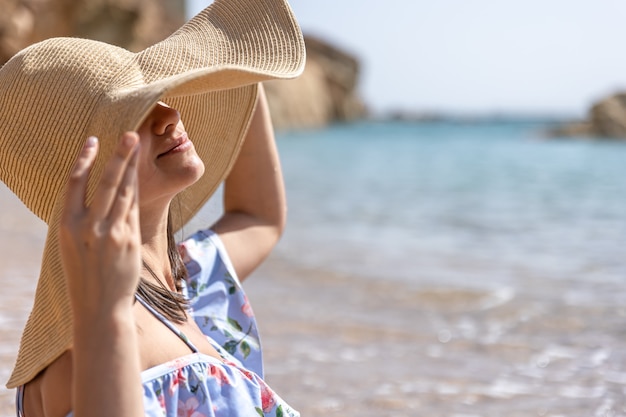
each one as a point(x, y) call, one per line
point(605, 119)
point(325, 93)
point(133, 24)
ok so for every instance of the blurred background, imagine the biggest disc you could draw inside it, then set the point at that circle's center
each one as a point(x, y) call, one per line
point(457, 222)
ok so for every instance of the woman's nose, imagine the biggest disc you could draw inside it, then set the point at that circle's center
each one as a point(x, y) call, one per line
point(164, 118)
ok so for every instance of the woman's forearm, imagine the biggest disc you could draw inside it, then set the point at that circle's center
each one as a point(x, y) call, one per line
point(106, 369)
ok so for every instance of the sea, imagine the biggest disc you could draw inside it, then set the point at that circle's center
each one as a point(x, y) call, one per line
point(465, 203)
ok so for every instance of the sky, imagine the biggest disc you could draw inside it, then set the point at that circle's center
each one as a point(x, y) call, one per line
point(476, 57)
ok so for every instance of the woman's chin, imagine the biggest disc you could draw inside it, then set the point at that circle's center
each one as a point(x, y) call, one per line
point(195, 169)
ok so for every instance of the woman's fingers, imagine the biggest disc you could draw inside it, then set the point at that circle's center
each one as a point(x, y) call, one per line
point(101, 245)
point(77, 182)
point(127, 191)
point(112, 176)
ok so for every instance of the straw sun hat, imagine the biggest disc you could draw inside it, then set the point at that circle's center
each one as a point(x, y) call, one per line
point(56, 93)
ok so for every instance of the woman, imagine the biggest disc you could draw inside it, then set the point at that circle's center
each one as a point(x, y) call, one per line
point(125, 322)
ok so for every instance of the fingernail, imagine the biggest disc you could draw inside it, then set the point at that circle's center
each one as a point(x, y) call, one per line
point(91, 141)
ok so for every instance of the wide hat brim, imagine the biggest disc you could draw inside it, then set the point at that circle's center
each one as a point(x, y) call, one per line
point(208, 70)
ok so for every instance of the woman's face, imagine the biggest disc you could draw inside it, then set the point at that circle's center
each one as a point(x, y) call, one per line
point(168, 162)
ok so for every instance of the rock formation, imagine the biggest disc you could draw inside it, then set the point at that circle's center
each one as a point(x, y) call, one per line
point(132, 24)
point(606, 119)
point(325, 93)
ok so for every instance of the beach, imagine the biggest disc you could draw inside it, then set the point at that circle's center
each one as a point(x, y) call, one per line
point(373, 319)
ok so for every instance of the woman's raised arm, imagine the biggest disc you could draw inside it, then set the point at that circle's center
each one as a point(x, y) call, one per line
point(255, 208)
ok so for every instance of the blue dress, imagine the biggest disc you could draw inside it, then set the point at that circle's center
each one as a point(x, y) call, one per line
point(198, 385)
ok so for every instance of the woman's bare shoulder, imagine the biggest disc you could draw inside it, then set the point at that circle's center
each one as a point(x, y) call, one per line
point(50, 393)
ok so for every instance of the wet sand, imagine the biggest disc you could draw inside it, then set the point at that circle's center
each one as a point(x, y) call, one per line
point(338, 346)
point(342, 345)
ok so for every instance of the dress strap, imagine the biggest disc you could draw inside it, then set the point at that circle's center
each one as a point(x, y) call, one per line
point(166, 322)
point(19, 401)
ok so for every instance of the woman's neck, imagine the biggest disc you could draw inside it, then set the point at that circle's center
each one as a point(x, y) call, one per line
point(154, 247)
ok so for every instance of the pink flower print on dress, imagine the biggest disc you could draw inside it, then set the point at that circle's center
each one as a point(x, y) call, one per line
point(246, 308)
point(184, 254)
point(176, 381)
point(189, 407)
point(218, 373)
point(161, 399)
point(268, 399)
point(245, 372)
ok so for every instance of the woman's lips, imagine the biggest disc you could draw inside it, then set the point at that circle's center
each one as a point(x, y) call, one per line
point(179, 144)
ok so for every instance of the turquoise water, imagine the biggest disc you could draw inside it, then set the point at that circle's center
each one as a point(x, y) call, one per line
point(471, 203)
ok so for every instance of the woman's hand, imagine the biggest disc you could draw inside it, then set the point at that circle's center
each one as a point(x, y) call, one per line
point(100, 244)
point(101, 253)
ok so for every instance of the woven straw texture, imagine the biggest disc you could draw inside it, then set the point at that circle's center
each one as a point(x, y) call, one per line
point(55, 93)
